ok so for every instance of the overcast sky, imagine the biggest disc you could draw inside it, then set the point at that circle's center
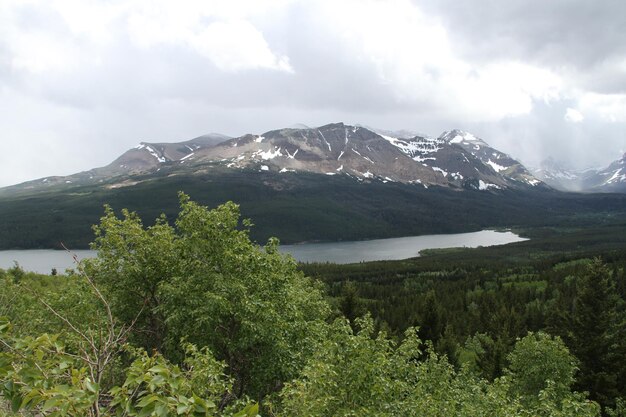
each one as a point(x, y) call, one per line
point(82, 81)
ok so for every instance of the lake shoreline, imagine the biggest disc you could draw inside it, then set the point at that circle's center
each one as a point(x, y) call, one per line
point(344, 252)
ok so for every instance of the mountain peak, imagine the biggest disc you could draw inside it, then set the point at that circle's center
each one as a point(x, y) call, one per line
point(300, 126)
point(457, 159)
point(460, 136)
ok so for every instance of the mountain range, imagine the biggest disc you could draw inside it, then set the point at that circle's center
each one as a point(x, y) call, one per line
point(455, 159)
point(333, 182)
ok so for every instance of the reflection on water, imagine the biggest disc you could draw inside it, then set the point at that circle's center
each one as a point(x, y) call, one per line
point(44, 260)
point(395, 248)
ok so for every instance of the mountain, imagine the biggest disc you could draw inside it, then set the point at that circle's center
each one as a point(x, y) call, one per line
point(456, 159)
point(145, 157)
point(363, 154)
point(609, 179)
point(502, 164)
point(613, 177)
point(333, 182)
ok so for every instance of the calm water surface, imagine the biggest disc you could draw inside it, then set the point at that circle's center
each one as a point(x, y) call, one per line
point(43, 260)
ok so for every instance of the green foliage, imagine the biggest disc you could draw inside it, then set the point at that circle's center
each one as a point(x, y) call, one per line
point(589, 315)
point(132, 262)
point(350, 304)
point(253, 326)
point(155, 387)
point(485, 299)
point(16, 272)
point(538, 363)
point(205, 281)
point(23, 303)
point(38, 374)
point(359, 374)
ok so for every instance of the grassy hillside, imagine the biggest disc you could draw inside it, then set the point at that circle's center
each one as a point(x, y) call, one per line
point(299, 207)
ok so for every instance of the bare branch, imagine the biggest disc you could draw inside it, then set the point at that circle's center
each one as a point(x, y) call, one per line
point(65, 320)
point(92, 284)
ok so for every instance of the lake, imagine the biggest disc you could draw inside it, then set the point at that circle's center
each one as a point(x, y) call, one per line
point(43, 260)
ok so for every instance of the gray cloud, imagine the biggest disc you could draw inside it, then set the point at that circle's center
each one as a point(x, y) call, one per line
point(76, 90)
point(575, 32)
point(544, 133)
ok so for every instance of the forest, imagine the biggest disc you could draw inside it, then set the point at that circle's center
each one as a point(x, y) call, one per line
point(297, 207)
point(193, 318)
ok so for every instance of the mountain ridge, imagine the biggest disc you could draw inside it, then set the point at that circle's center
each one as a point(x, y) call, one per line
point(455, 159)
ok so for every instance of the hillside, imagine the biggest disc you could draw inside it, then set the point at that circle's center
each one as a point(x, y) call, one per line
point(298, 207)
point(334, 182)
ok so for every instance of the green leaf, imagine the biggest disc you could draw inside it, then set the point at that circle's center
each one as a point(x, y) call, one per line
point(52, 402)
point(5, 324)
point(147, 400)
point(16, 403)
point(182, 409)
point(158, 369)
point(91, 386)
point(251, 410)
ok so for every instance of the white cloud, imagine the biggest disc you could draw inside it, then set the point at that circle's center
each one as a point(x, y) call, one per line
point(39, 53)
point(573, 115)
point(607, 107)
point(237, 45)
point(70, 34)
point(217, 30)
point(414, 59)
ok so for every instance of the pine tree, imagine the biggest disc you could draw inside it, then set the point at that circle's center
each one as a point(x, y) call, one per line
point(593, 334)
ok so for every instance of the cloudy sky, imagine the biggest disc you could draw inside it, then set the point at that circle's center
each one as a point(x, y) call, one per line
point(81, 81)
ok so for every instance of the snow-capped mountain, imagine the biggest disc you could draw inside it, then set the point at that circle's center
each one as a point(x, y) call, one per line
point(501, 163)
point(609, 179)
point(456, 159)
point(613, 177)
point(359, 152)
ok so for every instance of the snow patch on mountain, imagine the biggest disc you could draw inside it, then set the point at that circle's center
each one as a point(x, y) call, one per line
point(268, 154)
point(155, 154)
point(461, 137)
point(415, 148)
point(482, 185)
point(616, 177)
point(325, 141)
point(496, 167)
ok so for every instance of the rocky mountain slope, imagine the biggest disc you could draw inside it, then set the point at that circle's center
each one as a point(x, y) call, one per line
point(456, 159)
point(143, 158)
